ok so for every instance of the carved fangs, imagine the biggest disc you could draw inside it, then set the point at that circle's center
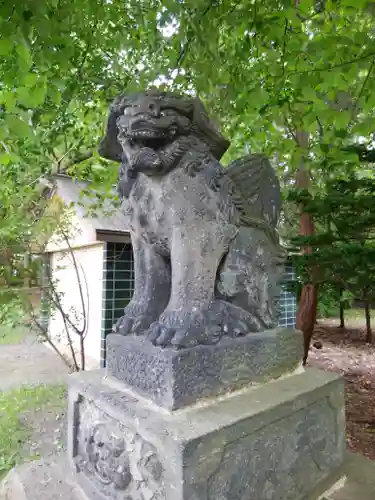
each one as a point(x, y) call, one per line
point(146, 133)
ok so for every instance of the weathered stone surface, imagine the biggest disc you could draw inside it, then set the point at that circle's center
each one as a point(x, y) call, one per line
point(277, 441)
point(41, 480)
point(355, 480)
point(214, 227)
point(176, 378)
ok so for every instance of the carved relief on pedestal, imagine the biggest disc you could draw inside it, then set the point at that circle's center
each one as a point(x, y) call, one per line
point(120, 464)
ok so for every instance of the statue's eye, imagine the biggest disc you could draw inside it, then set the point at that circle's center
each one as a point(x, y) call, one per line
point(128, 110)
point(167, 112)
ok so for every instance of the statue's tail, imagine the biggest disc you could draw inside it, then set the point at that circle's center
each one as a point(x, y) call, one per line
point(256, 192)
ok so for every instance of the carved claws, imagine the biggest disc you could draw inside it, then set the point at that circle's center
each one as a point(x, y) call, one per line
point(186, 330)
point(203, 327)
point(133, 325)
point(190, 328)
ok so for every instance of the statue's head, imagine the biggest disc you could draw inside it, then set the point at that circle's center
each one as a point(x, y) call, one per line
point(155, 119)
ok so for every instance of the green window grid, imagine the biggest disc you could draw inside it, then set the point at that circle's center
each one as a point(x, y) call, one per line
point(288, 302)
point(118, 287)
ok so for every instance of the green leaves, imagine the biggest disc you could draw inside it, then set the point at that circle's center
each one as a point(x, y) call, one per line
point(342, 119)
point(18, 126)
point(360, 4)
point(6, 47)
point(264, 69)
point(8, 99)
point(4, 158)
point(33, 96)
point(25, 59)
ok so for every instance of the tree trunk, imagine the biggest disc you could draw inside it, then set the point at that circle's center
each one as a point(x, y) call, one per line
point(308, 304)
point(368, 321)
point(306, 316)
point(342, 316)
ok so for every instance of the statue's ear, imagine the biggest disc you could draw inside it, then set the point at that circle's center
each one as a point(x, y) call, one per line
point(218, 143)
point(109, 147)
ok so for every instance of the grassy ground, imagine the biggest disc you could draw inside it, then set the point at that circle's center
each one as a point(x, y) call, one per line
point(358, 315)
point(352, 316)
point(12, 335)
point(14, 433)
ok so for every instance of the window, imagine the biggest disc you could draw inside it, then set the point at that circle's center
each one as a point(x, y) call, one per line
point(288, 302)
point(118, 286)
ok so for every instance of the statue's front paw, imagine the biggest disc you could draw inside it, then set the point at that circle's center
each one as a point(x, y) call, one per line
point(185, 329)
point(124, 325)
point(133, 323)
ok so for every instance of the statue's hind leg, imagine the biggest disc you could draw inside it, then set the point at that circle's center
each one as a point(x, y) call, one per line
point(249, 278)
point(234, 320)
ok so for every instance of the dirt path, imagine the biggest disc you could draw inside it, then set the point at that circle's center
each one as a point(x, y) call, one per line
point(29, 363)
point(346, 352)
point(48, 430)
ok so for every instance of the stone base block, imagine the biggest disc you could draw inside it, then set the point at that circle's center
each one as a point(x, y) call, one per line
point(50, 480)
point(177, 378)
point(278, 441)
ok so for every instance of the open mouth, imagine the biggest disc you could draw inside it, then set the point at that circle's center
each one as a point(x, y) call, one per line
point(145, 133)
point(145, 138)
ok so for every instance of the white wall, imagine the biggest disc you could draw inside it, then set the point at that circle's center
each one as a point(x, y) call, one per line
point(79, 231)
point(90, 269)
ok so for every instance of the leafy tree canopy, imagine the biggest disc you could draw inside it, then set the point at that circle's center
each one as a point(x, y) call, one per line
point(267, 70)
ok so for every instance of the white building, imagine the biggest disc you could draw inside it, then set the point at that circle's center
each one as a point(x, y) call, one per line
point(92, 270)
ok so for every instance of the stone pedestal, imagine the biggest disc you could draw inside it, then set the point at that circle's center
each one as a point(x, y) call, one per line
point(237, 421)
point(278, 439)
point(175, 379)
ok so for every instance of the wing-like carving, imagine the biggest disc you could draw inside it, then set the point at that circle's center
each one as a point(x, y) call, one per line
point(256, 189)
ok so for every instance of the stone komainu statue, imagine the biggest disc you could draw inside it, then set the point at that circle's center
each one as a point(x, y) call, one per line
point(206, 251)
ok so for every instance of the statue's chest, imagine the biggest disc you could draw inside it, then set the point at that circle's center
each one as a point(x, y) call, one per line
point(145, 208)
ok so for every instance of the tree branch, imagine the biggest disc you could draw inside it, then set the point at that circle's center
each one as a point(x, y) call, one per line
point(333, 66)
point(56, 299)
point(364, 85)
point(44, 332)
point(75, 265)
point(75, 161)
point(186, 46)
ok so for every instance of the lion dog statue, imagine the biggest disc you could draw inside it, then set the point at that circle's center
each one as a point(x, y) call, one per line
point(207, 257)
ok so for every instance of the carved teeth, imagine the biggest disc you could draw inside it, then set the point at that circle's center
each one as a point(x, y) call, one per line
point(145, 133)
